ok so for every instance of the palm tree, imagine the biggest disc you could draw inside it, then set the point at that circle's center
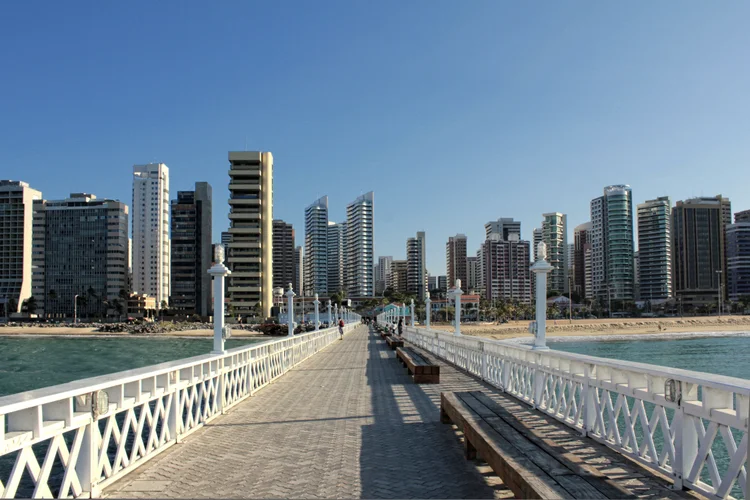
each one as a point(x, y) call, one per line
point(30, 305)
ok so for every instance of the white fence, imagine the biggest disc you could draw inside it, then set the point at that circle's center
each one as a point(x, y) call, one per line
point(691, 426)
point(55, 442)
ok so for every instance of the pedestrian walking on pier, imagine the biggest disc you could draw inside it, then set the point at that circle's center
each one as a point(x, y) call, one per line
point(341, 329)
point(400, 326)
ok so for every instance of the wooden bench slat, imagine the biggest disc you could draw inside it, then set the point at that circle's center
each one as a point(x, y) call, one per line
point(544, 460)
point(594, 477)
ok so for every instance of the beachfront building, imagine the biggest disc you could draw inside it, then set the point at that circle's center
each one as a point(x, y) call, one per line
point(455, 260)
point(359, 242)
point(416, 279)
point(80, 256)
point(316, 247)
point(655, 249)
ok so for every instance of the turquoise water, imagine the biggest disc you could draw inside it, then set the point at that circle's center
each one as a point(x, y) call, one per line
point(31, 363)
point(721, 355)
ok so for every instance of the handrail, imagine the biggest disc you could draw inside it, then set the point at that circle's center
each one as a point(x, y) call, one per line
point(103, 427)
point(688, 425)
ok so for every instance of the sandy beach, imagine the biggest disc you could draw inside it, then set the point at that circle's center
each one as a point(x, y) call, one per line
point(615, 328)
point(91, 332)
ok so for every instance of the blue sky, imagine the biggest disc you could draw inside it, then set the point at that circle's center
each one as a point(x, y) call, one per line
point(454, 113)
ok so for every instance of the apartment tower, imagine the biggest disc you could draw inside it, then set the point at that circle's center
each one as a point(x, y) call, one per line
point(358, 247)
point(80, 255)
point(191, 255)
point(416, 259)
point(738, 256)
point(506, 268)
point(335, 251)
point(655, 249)
point(284, 267)
point(555, 236)
point(250, 253)
point(16, 218)
point(455, 257)
point(698, 249)
point(581, 252)
point(613, 274)
point(316, 247)
point(382, 272)
point(151, 244)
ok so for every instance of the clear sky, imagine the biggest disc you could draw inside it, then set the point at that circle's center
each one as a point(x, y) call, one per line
point(454, 113)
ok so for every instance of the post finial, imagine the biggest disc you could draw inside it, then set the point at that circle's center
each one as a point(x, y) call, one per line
point(541, 251)
point(219, 253)
point(458, 283)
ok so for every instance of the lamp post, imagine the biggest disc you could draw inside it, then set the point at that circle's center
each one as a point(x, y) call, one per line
point(457, 293)
point(330, 320)
point(317, 313)
point(290, 310)
point(427, 310)
point(718, 274)
point(336, 313)
point(219, 272)
point(541, 268)
point(75, 309)
point(412, 313)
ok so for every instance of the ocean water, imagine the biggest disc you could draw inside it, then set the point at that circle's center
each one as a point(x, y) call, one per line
point(30, 363)
point(720, 355)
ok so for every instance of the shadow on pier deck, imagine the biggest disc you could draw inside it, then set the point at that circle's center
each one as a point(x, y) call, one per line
point(349, 422)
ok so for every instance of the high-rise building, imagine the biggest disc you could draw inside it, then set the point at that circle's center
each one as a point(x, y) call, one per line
point(655, 249)
point(284, 265)
point(191, 251)
point(226, 238)
point(335, 255)
point(250, 254)
point(151, 245)
point(432, 283)
point(507, 269)
point(555, 236)
point(480, 270)
point(472, 274)
point(16, 218)
point(382, 274)
point(637, 274)
point(571, 261)
point(299, 269)
point(316, 247)
point(582, 247)
point(416, 258)
point(698, 249)
point(613, 275)
point(537, 238)
point(80, 249)
point(398, 277)
point(358, 246)
point(442, 282)
point(455, 256)
point(504, 226)
point(738, 256)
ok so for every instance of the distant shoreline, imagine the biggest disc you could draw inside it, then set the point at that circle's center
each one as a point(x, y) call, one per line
point(67, 332)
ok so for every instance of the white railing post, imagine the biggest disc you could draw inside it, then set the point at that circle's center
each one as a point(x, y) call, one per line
point(538, 382)
point(317, 313)
point(219, 272)
point(290, 310)
point(412, 313)
point(87, 462)
point(457, 294)
point(541, 268)
point(427, 310)
point(484, 361)
point(175, 413)
point(589, 405)
point(330, 318)
point(686, 438)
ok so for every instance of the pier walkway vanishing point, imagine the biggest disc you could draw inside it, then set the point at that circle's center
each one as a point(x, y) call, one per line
point(349, 422)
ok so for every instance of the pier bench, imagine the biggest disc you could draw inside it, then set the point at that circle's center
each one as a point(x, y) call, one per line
point(394, 341)
point(528, 464)
point(385, 333)
point(422, 369)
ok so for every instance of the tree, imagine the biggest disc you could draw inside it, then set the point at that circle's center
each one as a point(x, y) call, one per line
point(117, 303)
point(30, 305)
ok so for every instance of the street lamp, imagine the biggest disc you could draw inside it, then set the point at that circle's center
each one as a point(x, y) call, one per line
point(718, 287)
point(75, 309)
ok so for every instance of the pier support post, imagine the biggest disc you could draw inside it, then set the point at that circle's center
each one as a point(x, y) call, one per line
point(457, 294)
point(219, 272)
point(427, 310)
point(541, 268)
point(317, 313)
point(290, 310)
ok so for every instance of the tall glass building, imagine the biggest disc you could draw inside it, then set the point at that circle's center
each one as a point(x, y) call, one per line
point(655, 248)
point(316, 248)
point(612, 264)
point(358, 247)
point(555, 236)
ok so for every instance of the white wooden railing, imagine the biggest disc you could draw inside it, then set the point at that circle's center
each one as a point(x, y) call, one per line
point(682, 423)
point(55, 442)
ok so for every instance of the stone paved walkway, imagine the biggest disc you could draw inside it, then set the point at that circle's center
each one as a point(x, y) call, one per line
point(348, 423)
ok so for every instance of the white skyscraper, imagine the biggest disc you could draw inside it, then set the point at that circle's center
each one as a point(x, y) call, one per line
point(358, 252)
point(316, 247)
point(336, 256)
point(16, 216)
point(416, 262)
point(151, 245)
